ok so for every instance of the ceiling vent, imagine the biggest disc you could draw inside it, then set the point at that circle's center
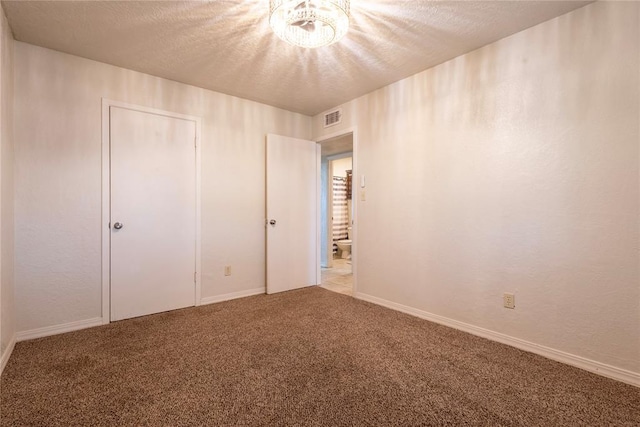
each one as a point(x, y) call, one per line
point(333, 118)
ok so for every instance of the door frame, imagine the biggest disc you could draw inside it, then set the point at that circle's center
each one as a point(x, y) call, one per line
point(356, 188)
point(328, 210)
point(106, 198)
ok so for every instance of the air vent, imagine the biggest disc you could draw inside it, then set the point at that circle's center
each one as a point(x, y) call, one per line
point(332, 118)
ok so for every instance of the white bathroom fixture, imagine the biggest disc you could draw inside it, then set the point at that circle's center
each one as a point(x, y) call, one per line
point(345, 245)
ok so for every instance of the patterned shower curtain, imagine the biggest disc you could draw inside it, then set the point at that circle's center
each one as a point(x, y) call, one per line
point(340, 210)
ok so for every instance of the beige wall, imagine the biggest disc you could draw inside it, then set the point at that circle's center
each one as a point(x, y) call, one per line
point(58, 180)
point(513, 168)
point(7, 315)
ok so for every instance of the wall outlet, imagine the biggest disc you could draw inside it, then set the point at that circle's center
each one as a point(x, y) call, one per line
point(509, 300)
point(227, 270)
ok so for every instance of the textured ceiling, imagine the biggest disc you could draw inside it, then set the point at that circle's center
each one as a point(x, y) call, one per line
point(227, 46)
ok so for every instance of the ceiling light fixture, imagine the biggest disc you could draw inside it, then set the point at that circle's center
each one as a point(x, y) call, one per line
point(309, 23)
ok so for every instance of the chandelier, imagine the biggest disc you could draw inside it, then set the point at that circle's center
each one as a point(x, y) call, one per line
point(309, 23)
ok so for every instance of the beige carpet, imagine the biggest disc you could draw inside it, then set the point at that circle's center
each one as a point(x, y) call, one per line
point(306, 357)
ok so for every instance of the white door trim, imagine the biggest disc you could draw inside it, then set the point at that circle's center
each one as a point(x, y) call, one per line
point(106, 205)
point(356, 192)
point(329, 213)
point(318, 212)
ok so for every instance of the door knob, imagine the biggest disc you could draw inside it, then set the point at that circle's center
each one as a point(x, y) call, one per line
point(118, 225)
point(272, 222)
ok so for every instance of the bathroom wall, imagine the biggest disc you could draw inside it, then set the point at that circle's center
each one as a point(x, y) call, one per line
point(341, 204)
point(517, 169)
point(7, 309)
point(341, 166)
point(58, 181)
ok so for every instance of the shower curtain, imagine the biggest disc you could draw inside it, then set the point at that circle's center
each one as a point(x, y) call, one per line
point(340, 210)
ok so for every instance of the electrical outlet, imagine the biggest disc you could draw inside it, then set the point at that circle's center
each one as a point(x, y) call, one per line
point(509, 300)
point(227, 270)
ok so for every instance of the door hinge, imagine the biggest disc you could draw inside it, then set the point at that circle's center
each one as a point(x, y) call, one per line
point(194, 276)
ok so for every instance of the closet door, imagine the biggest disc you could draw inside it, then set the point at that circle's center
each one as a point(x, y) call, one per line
point(153, 212)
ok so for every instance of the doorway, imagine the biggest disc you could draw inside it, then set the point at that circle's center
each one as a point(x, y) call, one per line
point(151, 203)
point(338, 213)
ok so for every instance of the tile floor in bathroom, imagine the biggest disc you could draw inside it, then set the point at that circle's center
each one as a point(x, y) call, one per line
point(338, 278)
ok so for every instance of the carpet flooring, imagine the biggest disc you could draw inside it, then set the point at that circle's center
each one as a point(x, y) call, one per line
point(305, 357)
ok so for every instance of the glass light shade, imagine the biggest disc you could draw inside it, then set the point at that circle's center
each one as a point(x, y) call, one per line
point(309, 23)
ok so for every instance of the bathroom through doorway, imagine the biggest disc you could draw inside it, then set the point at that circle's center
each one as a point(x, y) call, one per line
point(338, 214)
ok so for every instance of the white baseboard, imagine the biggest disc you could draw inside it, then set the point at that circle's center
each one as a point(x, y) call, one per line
point(58, 329)
point(4, 359)
point(232, 295)
point(599, 368)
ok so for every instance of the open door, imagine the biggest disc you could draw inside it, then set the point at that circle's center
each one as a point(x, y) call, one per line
point(292, 212)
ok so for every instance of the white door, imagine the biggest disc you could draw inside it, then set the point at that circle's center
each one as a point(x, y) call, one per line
point(293, 257)
point(153, 213)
